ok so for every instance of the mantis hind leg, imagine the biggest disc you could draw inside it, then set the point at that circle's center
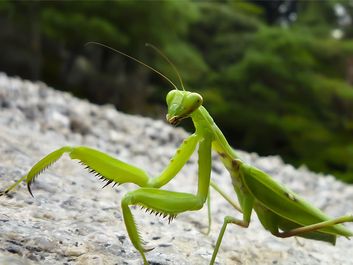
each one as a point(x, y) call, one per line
point(273, 222)
point(168, 203)
point(314, 227)
point(247, 203)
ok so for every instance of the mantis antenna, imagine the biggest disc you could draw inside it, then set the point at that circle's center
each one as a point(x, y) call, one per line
point(168, 60)
point(134, 59)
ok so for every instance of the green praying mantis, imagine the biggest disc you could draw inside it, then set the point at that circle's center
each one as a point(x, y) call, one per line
point(280, 211)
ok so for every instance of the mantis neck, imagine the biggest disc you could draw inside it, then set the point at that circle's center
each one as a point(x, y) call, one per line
point(205, 125)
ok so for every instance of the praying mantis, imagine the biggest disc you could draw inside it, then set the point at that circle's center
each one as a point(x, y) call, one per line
point(280, 211)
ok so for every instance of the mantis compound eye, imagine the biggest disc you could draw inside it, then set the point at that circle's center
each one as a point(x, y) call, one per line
point(171, 96)
point(194, 100)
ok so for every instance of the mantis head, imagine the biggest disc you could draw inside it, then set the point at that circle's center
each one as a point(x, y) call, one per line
point(181, 104)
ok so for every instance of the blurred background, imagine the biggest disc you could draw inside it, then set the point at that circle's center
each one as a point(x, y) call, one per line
point(277, 76)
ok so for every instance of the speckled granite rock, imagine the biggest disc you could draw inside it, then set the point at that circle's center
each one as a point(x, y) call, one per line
point(72, 220)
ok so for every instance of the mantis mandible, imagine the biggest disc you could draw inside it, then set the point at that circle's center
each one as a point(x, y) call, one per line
point(280, 211)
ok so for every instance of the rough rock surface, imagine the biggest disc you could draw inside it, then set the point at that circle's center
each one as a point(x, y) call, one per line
point(71, 220)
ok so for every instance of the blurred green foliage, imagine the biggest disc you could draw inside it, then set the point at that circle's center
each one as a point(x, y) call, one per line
point(276, 75)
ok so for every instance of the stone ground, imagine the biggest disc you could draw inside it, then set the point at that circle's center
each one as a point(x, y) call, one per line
point(71, 220)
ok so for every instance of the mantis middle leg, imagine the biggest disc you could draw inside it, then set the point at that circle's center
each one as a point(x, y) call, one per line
point(225, 196)
point(247, 203)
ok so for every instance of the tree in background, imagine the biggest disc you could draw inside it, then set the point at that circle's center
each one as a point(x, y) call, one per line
point(283, 89)
point(58, 31)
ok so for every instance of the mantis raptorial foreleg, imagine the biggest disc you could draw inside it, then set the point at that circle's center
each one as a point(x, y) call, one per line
point(181, 156)
point(168, 203)
point(209, 214)
point(13, 185)
point(161, 202)
point(104, 166)
point(111, 169)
